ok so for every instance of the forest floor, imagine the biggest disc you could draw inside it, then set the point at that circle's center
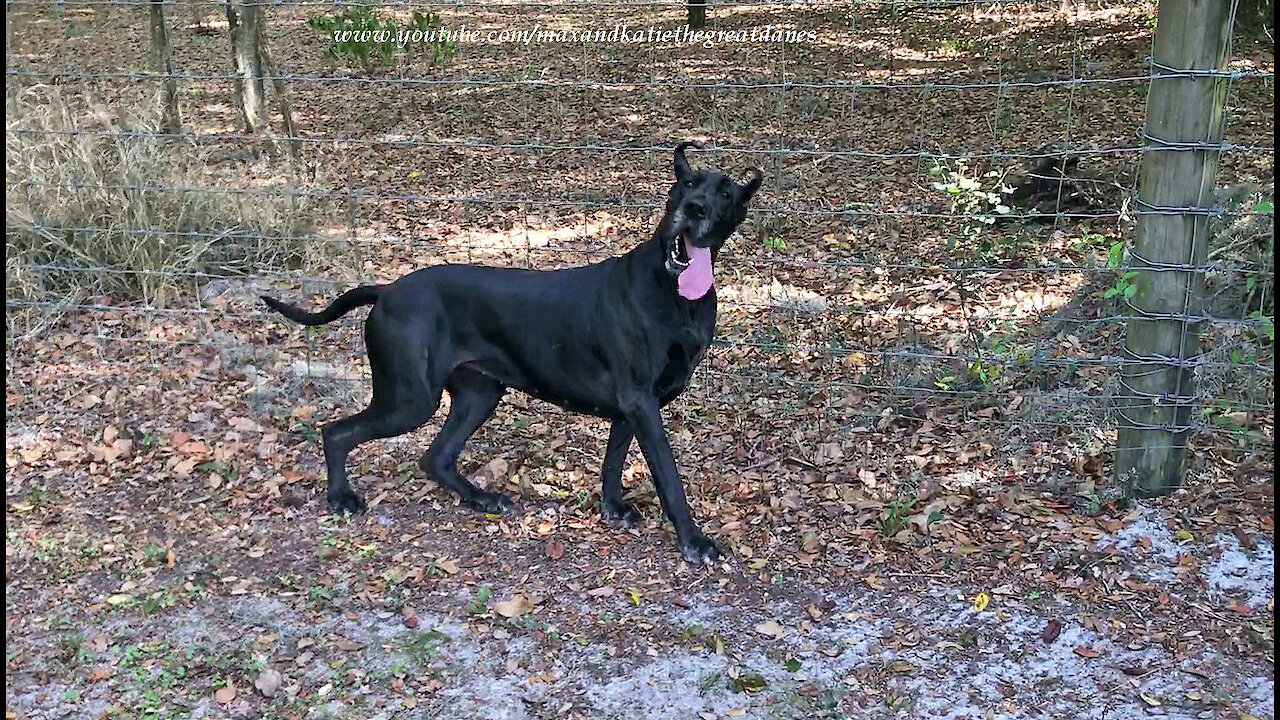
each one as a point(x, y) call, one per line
point(907, 534)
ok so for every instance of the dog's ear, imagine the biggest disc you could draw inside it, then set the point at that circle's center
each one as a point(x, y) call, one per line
point(751, 186)
point(682, 165)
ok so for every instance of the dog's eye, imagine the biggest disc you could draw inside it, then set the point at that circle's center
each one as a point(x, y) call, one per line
point(688, 183)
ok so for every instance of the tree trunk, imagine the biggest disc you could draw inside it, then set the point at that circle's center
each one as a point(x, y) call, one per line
point(1184, 126)
point(162, 61)
point(243, 20)
point(282, 97)
point(697, 13)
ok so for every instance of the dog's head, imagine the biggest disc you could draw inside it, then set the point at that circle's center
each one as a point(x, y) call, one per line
point(704, 207)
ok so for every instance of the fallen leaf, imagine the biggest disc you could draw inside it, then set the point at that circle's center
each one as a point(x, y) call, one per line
point(1086, 652)
point(554, 549)
point(515, 606)
point(980, 601)
point(771, 628)
point(1051, 631)
point(496, 469)
point(749, 682)
point(1149, 700)
point(225, 694)
point(268, 682)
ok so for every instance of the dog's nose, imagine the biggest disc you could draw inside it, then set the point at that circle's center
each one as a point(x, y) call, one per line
point(696, 209)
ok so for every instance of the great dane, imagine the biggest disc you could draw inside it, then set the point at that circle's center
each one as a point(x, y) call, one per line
point(618, 339)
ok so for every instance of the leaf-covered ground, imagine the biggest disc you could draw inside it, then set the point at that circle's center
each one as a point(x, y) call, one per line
point(909, 537)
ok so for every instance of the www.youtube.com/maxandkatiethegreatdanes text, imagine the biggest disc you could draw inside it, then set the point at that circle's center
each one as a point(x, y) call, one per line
point(616, 34)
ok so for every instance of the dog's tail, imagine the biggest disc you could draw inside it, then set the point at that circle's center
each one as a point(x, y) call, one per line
point(348, 301)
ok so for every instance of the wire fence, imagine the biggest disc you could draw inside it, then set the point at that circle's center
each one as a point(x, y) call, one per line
point(941, 238)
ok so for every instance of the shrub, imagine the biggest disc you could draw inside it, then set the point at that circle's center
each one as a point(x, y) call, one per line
point(363, 36)
point(980, 200)
point(83, 219)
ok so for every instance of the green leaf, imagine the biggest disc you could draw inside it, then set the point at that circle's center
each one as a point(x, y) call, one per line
point(1115, 255)
point(1130, 290)
point(792, 665)
point(1265, 206)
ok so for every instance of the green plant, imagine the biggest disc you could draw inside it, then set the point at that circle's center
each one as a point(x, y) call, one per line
point(979, 200)
point(1126, 280)
point(363, 36)
point(1089, 239)
point(984, 372)
point(423, 647)
point(1265, 325)
point(894, 518)
point(480, 603)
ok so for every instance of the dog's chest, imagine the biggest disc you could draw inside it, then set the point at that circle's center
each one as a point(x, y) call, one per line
point(684, 354)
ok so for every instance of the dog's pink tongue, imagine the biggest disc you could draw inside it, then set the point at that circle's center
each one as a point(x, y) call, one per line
point(696, 279)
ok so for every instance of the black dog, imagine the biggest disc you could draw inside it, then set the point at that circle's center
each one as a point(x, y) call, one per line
point(618, 340)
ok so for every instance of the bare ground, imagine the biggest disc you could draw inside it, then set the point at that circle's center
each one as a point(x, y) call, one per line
point(905, 540)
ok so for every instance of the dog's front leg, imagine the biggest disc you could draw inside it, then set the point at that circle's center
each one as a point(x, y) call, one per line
point(646, 422)
point(615, 455)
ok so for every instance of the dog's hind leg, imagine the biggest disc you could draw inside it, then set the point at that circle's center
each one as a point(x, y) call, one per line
point(404, 397)
point(472, 399)
point(611, 505)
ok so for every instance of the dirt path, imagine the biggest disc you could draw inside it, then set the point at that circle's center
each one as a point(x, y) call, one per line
point(510, 636)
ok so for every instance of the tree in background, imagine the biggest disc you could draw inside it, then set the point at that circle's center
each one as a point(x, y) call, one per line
point(162, 60)
point(697, 13)
point(244, 20)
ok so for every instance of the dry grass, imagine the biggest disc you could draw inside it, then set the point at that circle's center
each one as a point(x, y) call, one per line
point(87, 201)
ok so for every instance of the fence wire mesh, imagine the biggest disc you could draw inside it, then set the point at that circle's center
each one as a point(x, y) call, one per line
point(938, 250)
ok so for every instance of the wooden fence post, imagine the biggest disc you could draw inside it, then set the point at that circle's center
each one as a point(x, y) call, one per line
point(1183, 134)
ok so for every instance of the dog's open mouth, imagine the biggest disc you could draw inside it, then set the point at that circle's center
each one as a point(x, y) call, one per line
point(693, 264)
point(679, 258)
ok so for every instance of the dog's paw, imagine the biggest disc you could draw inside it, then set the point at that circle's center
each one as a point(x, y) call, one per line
point(347, 503)
point(620, 513)
point(699, 549)
point(490, 502)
